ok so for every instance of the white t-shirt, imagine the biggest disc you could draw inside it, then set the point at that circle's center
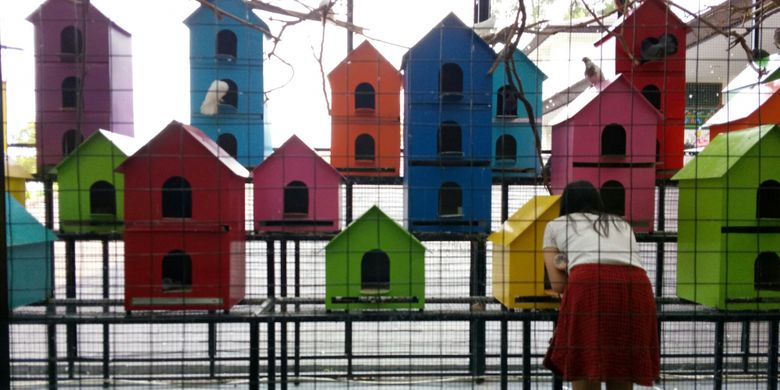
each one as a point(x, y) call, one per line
point(574, 236)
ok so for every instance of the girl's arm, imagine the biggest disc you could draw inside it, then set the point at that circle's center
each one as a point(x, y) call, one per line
point(557, 277)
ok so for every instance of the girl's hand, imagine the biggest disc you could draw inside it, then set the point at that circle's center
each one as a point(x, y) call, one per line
point(561, 262)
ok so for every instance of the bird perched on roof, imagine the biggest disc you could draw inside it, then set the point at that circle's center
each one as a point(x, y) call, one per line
point(656, 49)
point(216, 91)
point(592, 72)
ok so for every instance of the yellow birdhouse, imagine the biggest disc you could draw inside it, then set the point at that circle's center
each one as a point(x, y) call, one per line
point(519, 277)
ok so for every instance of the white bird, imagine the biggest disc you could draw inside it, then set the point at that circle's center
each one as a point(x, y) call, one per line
point(217, 90)
point(592, 72)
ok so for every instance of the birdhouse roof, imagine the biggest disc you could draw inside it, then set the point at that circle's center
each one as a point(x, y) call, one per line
point(750, 76)
point(629, 19)
point(722, 153)
point(523, 219)
point(126, 145)
point(295, 149)
point(525, 62)
point(450, 21)
point(21, 228)
point(374, 214)
point(744, 103)
point(234, 7)
point(38, 15)
point(364, 52)
point(16, 171)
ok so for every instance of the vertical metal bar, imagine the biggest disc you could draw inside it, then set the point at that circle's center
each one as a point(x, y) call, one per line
point(348, 346)
point(271, 369)
point(297, 331)
point(51, 329)
point(504, 202)
point(718, 374)
point(526, 353)
point(212, 331)
point(504, 352)
point(772, 355)
point(106, 327)
point(659, 247)
point(51, 346)
point(557, 380)
point(348, 216)
point(477, 289)
point(70, 293)
point(350, 7)
point(744, 343)
point(283, 293)
point(5, 327)
point(254, 355)
point(270, 293)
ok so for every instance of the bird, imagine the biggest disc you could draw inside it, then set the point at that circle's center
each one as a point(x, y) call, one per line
point(777, 38)
point(656, 49)
point(592, 72)
point(217, 90)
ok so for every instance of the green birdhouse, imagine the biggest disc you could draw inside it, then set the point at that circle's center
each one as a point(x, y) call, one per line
point(91, 194)
point(729, 222)
point(374, 264)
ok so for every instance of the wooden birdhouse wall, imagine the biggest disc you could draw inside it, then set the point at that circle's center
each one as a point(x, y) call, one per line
point(235, 57)
point(68, 57)
point(362, 71)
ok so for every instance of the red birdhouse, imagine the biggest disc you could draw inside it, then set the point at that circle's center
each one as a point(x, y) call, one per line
point(650, 52)
point(366, 127)
point(184, 224)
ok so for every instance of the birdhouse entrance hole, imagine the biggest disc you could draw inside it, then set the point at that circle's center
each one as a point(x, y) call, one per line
point(365, 97)
point(506, 148)
point(768, 200)
point(227, 44)
point(653, 95)
point(451, 81)
point(450, 200)
point(71, 43)
point(102, 198)
point(506, 104)
point(450, 140)
point(614, 196)
point(177, 198)
point(296, 199)
point(176, 272)
point(70, 139)
point(767, 271)
point(364, 148)
point(375, 272)
point(231, 97)
point(70, 88)
point(613, 140)
point(655, 49)
point(228, 143)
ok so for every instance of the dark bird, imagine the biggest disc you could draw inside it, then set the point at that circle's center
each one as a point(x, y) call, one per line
point(777, 38)
point(656, 49)
point(592, 72)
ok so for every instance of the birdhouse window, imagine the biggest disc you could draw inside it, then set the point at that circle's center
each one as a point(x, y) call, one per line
point(451, 80)
point(375, 272)
point(449, 142)
point(365, 97)
point(768, 200)
point(613, 140)
point(177, 272)
point(70, 140)
point(364, 148)
point(506, 104)
point(766, 275)
point(71, 43)
point(102, 198)
point(230, 100)
point(450, 200)
point(227, 44)
point(506, 148)
point(653, 95)
point(296, 199)
point(614, 196)
point(70, 89)
point(228, 143)
point(177, 198)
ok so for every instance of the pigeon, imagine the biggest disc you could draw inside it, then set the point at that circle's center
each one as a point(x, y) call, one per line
point(217, 90)
point(656, 49)
point(592, 72)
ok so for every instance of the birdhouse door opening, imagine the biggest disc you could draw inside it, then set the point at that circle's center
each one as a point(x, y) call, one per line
point(506, 149)
point(365, 149)
point(70, 140)
point(613, 140)
point(450, 200)
point(296, 199)
point(228, 143)
point(451, 81)
point(102, 198)
point(227, 45)
point(767, 272)
point(614, 196)
point(375, 273)
point(177, 198)
point(450, 142)
point(768, 200)
point(506, 104)
point(70, 92)
point(177, 272)
point(230, 100)
point(71, 44)
point(365, 98)
point(653, 95)
point(656, 49)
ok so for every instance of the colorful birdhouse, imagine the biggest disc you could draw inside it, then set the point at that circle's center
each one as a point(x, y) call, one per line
point(83, 66)
point(752, 106)
point(16, 181)
point(605, 136)
point(514, 141)
point(184, 223)
point(366, 118)
point(91, 193)
point(295, 190)
point(519, 277)
point(447, 130)
point(226, 79)
point(651, 55)
point(29, 253)
point(729, 222)
point(374, 264)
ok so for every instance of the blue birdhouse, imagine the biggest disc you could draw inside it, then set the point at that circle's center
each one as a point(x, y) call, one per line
point(29, 256)
point(226, 79)
point(514, 150)
point(447, 130)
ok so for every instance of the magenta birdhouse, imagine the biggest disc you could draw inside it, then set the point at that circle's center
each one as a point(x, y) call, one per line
point(296, 191)
point(607, 137)
point(184, 224)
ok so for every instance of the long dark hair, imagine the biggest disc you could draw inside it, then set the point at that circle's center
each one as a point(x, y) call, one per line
point(582, 197)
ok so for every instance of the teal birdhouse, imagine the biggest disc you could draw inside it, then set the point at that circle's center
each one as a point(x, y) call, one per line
point(729, 222)
point(374, 264)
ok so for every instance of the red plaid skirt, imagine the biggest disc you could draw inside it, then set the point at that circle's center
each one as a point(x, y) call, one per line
point(607, 326)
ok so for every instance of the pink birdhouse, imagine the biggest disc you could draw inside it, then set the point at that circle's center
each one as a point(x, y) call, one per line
point(296, 191)
point(607, 136)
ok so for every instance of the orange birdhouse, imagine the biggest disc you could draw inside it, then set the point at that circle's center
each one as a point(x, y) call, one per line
point(366, 126)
